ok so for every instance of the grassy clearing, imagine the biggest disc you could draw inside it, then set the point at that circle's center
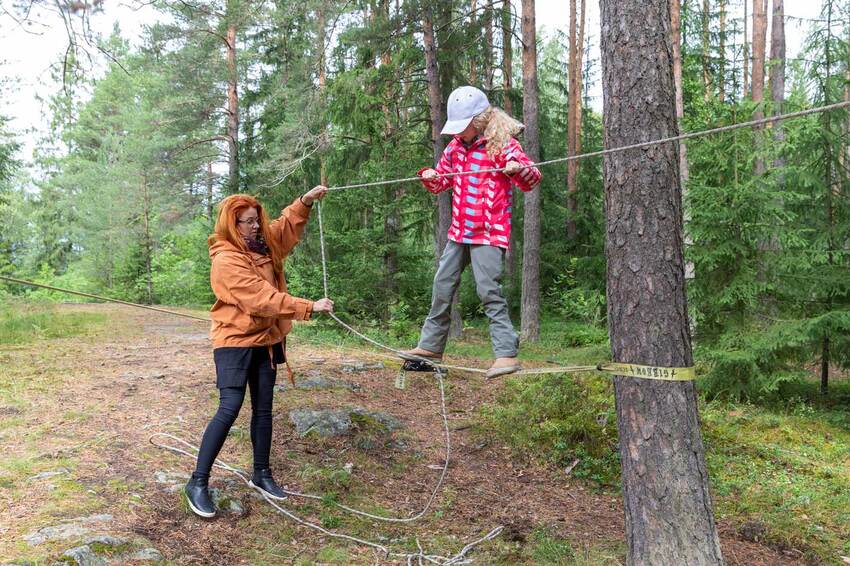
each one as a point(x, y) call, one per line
point(24, 322)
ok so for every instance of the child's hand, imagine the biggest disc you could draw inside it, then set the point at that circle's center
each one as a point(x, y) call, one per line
point(323, 305)
point(316, 193)
point(429, 174)
point(512, 167)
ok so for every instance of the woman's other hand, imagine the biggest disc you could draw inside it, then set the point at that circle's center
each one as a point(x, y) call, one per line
point(429, 174)
point(323, 305)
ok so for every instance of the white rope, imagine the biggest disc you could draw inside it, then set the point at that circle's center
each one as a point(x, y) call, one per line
point(458, 558)
point(640, 145)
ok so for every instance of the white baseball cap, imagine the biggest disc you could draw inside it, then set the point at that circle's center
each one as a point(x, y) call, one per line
point(465, 103)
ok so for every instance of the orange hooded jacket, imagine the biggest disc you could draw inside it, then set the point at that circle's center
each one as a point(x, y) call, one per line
point(253, 307)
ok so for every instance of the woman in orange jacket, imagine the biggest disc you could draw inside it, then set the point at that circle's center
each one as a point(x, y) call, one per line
point(250, 320)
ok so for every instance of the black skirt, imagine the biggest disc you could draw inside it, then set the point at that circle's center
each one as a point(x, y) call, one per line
point(233, 365)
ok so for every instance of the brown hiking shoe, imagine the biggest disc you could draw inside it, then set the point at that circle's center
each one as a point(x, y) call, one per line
point(502, 366)
point(417, 353)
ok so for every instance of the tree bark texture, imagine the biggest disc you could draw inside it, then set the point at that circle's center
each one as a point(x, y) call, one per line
point(684, 172)
point(232, 112)
point(759, 45)
point(574, 70)
point(669, 517)
point(438, 117)
point(777, 72)
point(721, 63)
point(530, 317)
point(507, 57)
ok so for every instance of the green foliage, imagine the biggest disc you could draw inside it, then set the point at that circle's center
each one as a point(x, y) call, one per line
point(782, 468)
point(559, 418)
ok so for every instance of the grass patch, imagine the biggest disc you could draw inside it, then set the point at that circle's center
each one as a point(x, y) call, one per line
point(559, 418)
point(23, 322)
point(785, 469)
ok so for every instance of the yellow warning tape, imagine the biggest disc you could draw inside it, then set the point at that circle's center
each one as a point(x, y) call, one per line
point(649, 372)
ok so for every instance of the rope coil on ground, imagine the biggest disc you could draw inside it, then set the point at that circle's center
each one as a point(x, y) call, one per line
point(458, 558)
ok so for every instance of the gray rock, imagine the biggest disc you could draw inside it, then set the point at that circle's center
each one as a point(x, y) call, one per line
point(83, 556)
point(322, 422)
point(227, 503)
point(387, 420)
point(171, 477)
point(146, 554)
point(50, 474)
point(336, 422)
point(66, 529)
point(319, 382)
point(106, 540)
point(360, 367)
point(56, 532)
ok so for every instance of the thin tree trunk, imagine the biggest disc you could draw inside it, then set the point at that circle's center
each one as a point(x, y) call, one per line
point(668, 509)
point(684, 174)
point(148, 241)
point(473, 61)
point(488, 48)
point(232, 111)
point(392, 195)
point(777, 72)
point(573, 97)
point(507, 57)
point(759, 45)
point(846, 153)
point(721, 63)
point(746, 85)
point(507, 105)
point(706, 50)
point(323, 178)
point(530, 318)
point(210, 196)
point(435, 109)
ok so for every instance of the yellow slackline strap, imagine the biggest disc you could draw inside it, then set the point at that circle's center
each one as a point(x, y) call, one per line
point(613, 368)
point(648, 372)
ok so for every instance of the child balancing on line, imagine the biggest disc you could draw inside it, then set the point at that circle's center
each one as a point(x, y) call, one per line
point(481, 220)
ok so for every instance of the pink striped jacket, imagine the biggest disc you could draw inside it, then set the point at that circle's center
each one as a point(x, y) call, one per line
point(481, 204)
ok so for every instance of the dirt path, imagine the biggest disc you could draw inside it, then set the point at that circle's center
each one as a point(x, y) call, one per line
point(89, 406)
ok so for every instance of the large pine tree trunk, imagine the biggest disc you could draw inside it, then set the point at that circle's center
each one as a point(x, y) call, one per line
point(530, 317)
point(669, 518)
point(232, 112)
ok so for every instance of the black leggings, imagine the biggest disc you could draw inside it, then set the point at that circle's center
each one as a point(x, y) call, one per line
point(261, 380)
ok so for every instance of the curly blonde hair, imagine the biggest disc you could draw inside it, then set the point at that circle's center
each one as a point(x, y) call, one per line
point(498, 127)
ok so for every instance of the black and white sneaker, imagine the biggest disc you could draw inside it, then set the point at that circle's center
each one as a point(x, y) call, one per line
point(264, 483)
point(198, 496)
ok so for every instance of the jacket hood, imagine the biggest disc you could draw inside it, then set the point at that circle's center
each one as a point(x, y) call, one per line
point(223, 246)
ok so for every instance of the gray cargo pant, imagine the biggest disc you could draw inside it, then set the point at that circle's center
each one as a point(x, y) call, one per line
point(487, 270)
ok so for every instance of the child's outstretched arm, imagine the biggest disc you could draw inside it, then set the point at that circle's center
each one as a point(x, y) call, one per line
point(439, 184)
point(526, 179)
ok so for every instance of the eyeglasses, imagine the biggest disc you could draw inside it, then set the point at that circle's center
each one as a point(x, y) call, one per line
point(249, 221)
